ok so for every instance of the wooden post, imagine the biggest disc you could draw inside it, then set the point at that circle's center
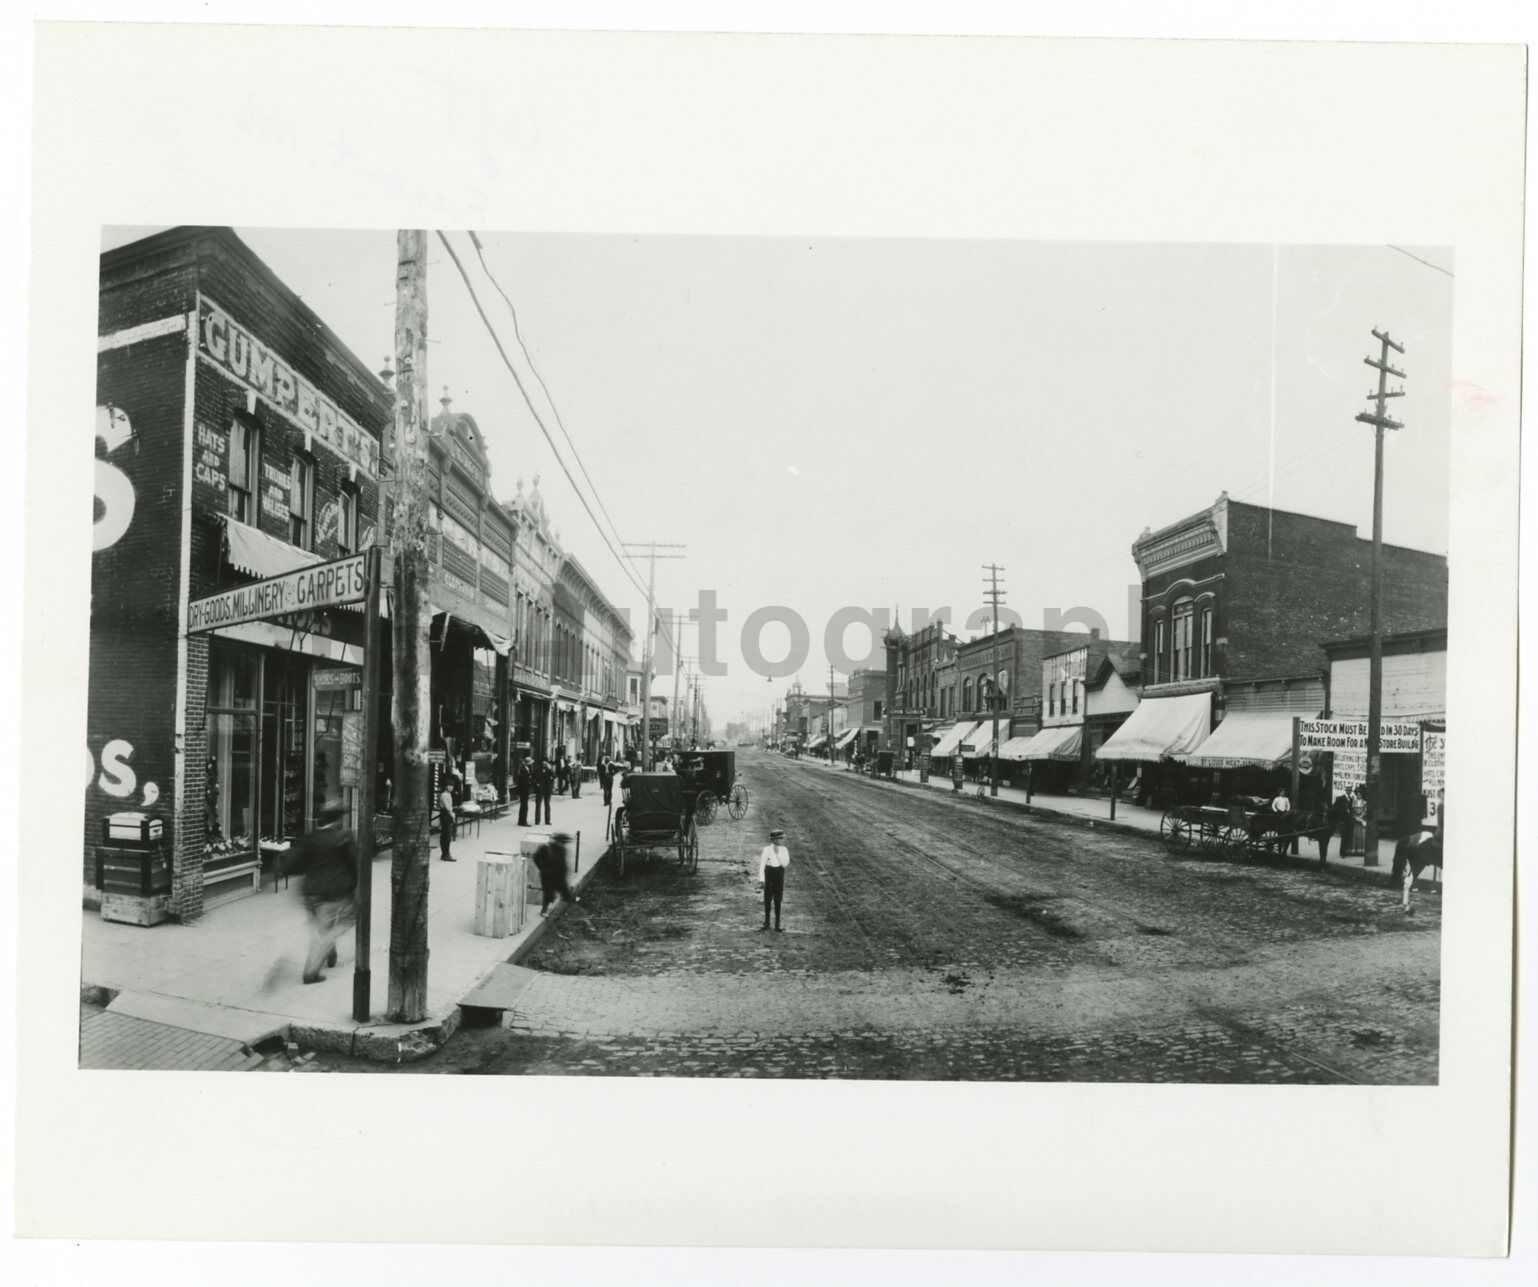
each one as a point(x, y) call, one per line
point(409, 623)
point(363, 900)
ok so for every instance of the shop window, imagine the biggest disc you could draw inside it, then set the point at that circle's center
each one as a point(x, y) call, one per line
point(233, 768)
point(301, 500)
point(244, 473)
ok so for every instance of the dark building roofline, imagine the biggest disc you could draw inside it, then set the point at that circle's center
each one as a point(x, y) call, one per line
point(188, 234)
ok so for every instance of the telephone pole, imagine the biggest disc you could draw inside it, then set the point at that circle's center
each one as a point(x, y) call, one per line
point(650, 548)
point(409, 621)
point(832, 696)
point(1380, 421)
point(994, 594)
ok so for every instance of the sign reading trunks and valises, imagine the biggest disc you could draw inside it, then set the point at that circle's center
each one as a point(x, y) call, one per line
point(320, 586)
point(226, 344)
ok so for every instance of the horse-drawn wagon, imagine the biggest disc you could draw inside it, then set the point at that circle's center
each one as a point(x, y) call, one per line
point(712, 776)
point(1237, 830)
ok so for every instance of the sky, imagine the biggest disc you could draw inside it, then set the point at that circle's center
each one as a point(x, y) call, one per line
point(862, 424)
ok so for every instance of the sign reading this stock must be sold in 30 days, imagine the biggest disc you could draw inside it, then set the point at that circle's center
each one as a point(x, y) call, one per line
point(320, 586)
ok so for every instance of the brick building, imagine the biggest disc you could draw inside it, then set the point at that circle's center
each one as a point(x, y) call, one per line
point(237, 439)
point(1237, 601)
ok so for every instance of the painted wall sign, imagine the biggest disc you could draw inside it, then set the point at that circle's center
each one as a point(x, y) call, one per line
point(114, 493)
point(324, 584)
point(211, 454)
point(227, 345)
point(1433, 761)
point(1394, 738)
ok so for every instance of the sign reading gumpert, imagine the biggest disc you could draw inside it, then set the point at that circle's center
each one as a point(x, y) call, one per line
point(320, 586)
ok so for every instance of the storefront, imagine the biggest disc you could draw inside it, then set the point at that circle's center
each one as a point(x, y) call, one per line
point(1149, 745)
point(1048, 760)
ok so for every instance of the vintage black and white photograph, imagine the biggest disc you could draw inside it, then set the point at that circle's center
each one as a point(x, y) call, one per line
point(766, 657)
point(769, 641)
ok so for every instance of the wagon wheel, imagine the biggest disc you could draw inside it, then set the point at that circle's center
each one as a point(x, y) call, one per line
point(1211, 840)
point(692, 850)
point(1236, 843)
point(1175, 831)
point(705, 808)
point(737, 803)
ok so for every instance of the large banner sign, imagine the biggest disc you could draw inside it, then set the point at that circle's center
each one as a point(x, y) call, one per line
point(226, 344)
point(1394, 738)
point(320, 586)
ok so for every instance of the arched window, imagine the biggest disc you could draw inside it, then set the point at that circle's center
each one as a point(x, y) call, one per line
point(1204, 638)
point(1160, 641)
point(966, 694)
point(1182, 621)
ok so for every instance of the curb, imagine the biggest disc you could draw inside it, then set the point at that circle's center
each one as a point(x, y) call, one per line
point(1368, 875)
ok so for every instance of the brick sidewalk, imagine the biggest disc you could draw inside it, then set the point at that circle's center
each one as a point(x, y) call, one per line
point(119, 1041)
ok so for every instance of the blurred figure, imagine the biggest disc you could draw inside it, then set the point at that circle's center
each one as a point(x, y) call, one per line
point(327, 858)
point(550, 860)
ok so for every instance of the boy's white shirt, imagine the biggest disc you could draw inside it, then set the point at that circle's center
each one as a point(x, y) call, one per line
point(763, 858)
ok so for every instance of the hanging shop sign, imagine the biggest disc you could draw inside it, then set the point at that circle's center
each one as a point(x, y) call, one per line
point(352, 748)
point(1338, 735)
point(332, 679)
point(227, 345)
point(319, 586)
point(1433, 761)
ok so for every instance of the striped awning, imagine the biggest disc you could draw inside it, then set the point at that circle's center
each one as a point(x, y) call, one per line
point(950, 738)
point(979, 742)
point(1161, 727)
point(250, 550)
point(1246, 739)
point(1062, 743)
point(846, 738)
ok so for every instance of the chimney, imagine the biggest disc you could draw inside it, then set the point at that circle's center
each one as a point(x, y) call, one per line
point(1094, 632)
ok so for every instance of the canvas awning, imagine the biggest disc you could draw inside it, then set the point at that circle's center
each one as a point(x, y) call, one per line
point(817, 741)
point(846, 738)
point(479, 635)
point(1050, 744)
point(1160, 727)
point(950, 738)
point(249, 550)
point(1245, 739)
point(979, 741)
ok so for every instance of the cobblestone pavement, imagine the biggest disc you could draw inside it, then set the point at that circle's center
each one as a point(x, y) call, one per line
point(941, 939)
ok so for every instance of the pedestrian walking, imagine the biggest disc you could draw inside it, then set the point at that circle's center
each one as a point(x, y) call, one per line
point(327, 859)
point(550, 861)
point(606, 780)
point(772, 862)
point(446, 822)
point(523, 781)
point(544, 788)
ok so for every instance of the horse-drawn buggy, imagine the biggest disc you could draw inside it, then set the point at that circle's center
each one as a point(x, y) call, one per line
point(714, 781)
point(654, 817)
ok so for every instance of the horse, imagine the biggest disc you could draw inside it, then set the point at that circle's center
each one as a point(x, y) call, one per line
point(1278, 830)
point(1412, 855)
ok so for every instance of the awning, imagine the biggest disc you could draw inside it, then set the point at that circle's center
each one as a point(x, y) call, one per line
point(1159, 727)
point(1245, 739)
point(950, 739)
point(1062, 743)
point(253, 552)
point(479, 635)
point(846, 738)
point(979, 742)
point(817, 741)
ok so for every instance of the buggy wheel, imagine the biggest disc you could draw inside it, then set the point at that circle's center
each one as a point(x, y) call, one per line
point(737, 803)
point(705, 808)
point(692, 851)
point(1175, 831)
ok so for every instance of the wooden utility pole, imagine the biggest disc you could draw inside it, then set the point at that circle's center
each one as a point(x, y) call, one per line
point(832, 696)
point(650, 548)
point(994, 594)
point(363, 900)
point(409, 623)
point(1380, 421)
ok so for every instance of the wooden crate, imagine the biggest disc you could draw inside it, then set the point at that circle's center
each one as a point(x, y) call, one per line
point(500, 897)
point(135, 909)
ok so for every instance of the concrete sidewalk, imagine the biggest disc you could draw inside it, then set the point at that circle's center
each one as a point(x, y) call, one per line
point(1132, 820)
point(235, 973)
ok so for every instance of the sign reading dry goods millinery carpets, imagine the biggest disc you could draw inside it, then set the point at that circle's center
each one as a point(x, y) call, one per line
point(321, 586)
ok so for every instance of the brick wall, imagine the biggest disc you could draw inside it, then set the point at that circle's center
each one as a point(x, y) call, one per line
point(1306, 581)
point(131, 685)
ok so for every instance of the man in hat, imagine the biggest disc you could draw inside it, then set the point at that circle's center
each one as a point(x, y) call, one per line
point(772, 862)
point(328, 859)
point(523, 781)
point(550, 860)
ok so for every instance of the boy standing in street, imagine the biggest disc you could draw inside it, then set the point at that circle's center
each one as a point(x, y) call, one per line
point(772, 862)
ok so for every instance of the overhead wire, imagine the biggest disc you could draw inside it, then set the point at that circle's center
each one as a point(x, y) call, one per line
point(544, 429)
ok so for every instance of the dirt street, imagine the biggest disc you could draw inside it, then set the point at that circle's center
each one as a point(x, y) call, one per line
point(933, 938)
